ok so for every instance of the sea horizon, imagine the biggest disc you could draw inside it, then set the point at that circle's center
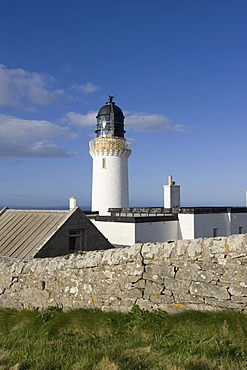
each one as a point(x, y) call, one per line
point(88, 207)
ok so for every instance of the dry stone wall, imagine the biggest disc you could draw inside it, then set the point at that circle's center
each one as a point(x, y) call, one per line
point(200, 274)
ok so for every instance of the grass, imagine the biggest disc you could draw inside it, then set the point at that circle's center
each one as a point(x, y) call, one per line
point(93, 340)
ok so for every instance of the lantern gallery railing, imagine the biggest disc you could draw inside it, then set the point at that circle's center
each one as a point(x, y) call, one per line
point(109, 143)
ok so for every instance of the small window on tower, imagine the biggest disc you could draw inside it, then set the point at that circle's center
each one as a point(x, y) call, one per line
point(240, 230)
point(103, 162)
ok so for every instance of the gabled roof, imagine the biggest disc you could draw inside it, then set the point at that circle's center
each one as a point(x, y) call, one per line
point(24, 232)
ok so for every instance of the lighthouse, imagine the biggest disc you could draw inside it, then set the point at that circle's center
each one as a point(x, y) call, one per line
point(110, 152)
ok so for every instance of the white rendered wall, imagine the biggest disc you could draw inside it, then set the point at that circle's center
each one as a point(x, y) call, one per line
point(203, 225)
point(238, 220)
point(206, 223)
point(186, 226)
point(156, 231)
point(121, 233)
point(189, 226)
point(110, 187)
point(118, 233)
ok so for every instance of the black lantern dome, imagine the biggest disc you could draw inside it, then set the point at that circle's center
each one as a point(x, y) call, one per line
point(110, 120)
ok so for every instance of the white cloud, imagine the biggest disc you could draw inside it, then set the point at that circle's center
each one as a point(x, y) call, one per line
point(31, 138)
point(81, 120)
point(151, 122)
point(23, 89)
point(133, 121)
point(87, 88)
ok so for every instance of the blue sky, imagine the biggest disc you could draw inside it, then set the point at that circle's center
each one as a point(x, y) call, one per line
point(178, 70)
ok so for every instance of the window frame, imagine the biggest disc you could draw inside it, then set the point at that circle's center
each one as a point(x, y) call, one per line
point(76, 240)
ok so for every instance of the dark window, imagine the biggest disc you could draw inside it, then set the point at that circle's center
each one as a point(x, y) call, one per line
point(215, 232)
point(240, 230)
point(75, 240)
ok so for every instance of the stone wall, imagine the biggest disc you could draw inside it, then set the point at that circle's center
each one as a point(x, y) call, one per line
point(201, 274)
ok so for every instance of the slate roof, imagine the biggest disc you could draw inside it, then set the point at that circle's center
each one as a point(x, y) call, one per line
point(24, 232)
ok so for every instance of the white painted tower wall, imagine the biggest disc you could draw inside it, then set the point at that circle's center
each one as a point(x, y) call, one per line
point(110, 185)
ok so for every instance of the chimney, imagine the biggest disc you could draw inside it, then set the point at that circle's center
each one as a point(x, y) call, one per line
point(170, 180)
point(171, 194)
point(72, 203)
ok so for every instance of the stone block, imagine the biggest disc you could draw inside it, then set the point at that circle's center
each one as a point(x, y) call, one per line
point(223, 304)
point(176, 284)
point(182, 248)
point(157, 273)
point(209, 290)
point(157, 251)
point(182, 297)
point(152, 288)
point(88, 259)
point(237, 243)
point(214, 268)
point(121, 255)
point(140, 284)
point(195, 248)
point(238, 299)
point(217, 245)
point(243, 259)
point(238, 290)
point(236, 274)
point(146, 304)
point(194, 272)
point(161, 299)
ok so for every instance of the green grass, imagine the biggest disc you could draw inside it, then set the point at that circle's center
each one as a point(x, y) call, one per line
point(91, 339)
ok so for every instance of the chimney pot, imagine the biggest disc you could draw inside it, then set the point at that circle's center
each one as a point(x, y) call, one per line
point(72, 203)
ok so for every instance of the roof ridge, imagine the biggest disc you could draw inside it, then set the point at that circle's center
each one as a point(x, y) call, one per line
point(3, 210)
point(39, 210)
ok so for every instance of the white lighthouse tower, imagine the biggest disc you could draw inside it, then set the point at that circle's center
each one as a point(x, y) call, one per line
point(110, 152)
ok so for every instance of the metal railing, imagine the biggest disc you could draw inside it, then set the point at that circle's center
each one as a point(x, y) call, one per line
point(143, 211)
point(109, 143)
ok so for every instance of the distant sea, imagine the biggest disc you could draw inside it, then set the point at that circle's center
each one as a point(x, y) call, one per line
point(88, 208)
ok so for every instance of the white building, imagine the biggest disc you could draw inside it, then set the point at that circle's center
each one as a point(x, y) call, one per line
point(110, 196)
